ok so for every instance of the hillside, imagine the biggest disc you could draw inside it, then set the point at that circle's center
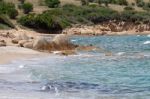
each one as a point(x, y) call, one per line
point(40, 16)
point(39, 8)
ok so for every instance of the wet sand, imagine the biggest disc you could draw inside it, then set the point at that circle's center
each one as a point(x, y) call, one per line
point(10, 53)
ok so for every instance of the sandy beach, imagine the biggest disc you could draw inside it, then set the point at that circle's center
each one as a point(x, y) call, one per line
point(10, 53)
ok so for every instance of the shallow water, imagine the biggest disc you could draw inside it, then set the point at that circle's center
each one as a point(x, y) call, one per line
point(87, 75)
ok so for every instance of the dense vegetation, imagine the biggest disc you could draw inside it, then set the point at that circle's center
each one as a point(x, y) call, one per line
point(8, 9)
point(59, 18)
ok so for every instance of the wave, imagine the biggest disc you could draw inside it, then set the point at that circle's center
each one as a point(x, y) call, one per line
point(146, 42)
point(148, 35)
point(120, 53)
point(58, 87)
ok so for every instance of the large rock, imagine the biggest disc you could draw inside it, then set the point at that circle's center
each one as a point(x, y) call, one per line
point(2, 43)
point(15, 41)
point(41, 44)
point(61, 39)
point(23, 37)
point(28, 45)
point(22, 42)
point(62, 42)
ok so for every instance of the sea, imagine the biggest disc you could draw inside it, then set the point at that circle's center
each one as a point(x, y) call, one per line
point(124, 73)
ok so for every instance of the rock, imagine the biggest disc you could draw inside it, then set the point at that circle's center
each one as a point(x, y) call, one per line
point(22, 42)
point(41, 44)
point(68, 52)
point(28, 45)
point(23, 37)
point(15, 41)
point(108, 54)
point(86, 48)
point(61, 39)
point(2, 43)
point(62, 42)
point(2, 40)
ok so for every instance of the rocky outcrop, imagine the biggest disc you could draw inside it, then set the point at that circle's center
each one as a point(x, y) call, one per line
point(2, 43)
point(41, 44)
point(108, 28)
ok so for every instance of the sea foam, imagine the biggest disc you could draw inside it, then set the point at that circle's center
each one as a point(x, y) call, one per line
point(146, 42)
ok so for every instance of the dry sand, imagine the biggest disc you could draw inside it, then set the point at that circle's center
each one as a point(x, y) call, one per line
point(10, 53)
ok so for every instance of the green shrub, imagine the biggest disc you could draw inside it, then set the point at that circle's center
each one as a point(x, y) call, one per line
point(5, 20)
point(52, 3)
point(27, 7)
point(8, 9)
point(13, 13)
point(21, 1)
point(60, 18)
point(128, 8)
point(84, 2)
point(140, 3)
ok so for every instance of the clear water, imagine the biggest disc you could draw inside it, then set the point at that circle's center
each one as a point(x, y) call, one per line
point(87, 75)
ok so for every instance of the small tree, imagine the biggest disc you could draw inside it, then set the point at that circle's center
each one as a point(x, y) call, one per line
point(52, 3)
point(27, 7)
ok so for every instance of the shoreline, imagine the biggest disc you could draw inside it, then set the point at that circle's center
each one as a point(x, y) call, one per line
point(11, 53)
point(108, 29)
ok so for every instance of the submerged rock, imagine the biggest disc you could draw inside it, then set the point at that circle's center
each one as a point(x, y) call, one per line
point(68, 52)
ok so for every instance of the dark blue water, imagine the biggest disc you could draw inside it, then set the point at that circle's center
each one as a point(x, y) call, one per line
point(93, 75)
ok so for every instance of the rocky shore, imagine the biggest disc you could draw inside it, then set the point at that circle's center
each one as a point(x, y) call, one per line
point(109, 28)
point(40, 42)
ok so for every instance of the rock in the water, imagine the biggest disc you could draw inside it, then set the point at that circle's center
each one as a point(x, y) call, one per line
point(62, 42)
point(61, 39)
point(40, 44)
point(87, 48)
point(28, 45)
point(68, 52)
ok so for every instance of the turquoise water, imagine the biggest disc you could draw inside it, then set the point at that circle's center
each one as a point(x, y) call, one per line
point(87, 75)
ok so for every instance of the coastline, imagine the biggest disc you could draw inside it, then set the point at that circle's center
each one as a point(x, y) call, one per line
point(11, 53)
point(108, 29)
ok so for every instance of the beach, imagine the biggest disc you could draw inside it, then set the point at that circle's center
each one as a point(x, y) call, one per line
point(11, 53)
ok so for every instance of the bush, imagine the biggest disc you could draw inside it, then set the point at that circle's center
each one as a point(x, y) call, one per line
point(128, 8)
point(27, 7)
point(21, 1)
point(60, 18)
point(8, 9)
point(52, 3)
point(5, 20)
point(140, 3)
point(49, 21)
point(13, 13)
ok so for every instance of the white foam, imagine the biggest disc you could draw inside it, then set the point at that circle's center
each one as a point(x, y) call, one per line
point(120, 53)
point(146, 42)
point(21, 66)
point(148, 35)
point(56, 52)
point(73, 40)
